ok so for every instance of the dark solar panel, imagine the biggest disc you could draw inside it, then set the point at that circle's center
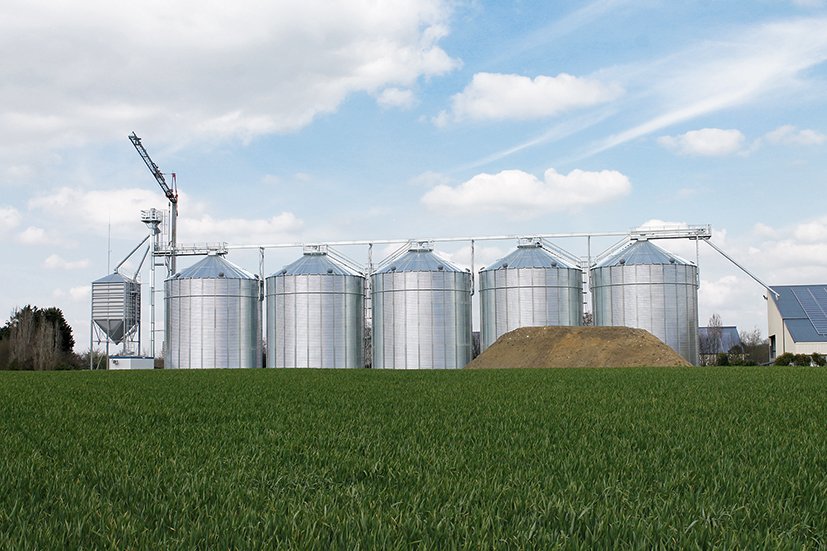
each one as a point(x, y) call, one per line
point(814, 303)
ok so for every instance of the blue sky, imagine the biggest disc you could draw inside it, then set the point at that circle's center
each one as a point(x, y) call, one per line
point(324, 121)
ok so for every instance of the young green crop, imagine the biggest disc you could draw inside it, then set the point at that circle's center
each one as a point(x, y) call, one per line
point(324, 459)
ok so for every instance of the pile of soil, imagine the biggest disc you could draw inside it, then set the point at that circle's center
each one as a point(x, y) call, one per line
point(578, 347)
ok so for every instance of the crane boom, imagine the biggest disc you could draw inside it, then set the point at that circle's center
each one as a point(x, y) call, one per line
point(171, 194)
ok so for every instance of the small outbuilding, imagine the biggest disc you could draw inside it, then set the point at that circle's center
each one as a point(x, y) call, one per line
point(718, 340)
point(797, 319)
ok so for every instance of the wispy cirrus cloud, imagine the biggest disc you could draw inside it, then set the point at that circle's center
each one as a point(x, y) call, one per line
point(751, 65)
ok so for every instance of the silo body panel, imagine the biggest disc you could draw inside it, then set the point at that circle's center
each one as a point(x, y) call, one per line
point(315, 315)
point(659, 295)
point(213, 317)
point(421, 314)
point(530, 287)
point(116, 305)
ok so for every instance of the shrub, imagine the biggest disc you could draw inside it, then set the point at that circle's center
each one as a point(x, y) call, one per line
point(785, 359)
point(802, 360)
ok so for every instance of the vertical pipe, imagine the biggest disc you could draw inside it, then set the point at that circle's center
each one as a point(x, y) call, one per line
point(173, 236)
point(153, 257)
point(91, 328)
point(473, 273)
point(587, 279)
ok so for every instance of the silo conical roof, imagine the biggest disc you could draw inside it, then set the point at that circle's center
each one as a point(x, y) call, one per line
point(528, 256)
point(113, 278)
point(419, 260)
point(642, 253)
point(316, 264)
point(214, 267)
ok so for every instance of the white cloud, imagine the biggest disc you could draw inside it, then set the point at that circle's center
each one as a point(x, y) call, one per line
point(278, 229)
point(396, 97)
point(10, 218)
point(81, 293)
point(708, 142)
point(790, 135)
point(792, 254)
point(519, 194)
point(75, 294)
point(56, 262)
point(88, 70)
point(96, 209)
point(795, 254)
point(763, 230)
point(430, 179)
point(811, 231)
point(35, 236)
point(718, 293)
point(494, 96)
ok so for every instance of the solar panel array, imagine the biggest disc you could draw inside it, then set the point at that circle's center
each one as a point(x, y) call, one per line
point(814, 302)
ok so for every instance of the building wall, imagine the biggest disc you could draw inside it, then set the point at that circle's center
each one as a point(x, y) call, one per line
point(783, 341)
point(775, 329)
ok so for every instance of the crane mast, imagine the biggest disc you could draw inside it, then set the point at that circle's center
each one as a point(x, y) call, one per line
point(171, 194)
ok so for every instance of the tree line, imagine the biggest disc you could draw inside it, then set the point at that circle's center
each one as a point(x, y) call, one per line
point(38, 339)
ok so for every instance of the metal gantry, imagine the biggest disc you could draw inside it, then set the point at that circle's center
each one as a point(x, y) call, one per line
point(692, 232)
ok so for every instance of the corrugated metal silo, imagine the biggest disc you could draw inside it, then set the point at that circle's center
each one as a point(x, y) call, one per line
point(316, 314)
point(421, 306)
point(528, 288)
point(116, 305)
point(643, 286)
point(213, 316)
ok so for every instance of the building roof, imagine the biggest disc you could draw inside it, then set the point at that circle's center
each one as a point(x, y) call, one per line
point(803, 309)
point(729, 340)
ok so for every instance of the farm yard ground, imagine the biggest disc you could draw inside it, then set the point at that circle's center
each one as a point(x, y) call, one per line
point(703, 457)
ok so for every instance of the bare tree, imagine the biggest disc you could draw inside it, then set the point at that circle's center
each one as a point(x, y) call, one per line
point(710, 342)
point(756, 348)
point(39, 339)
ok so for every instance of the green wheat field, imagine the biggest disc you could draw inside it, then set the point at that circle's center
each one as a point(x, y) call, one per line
point(322, 459)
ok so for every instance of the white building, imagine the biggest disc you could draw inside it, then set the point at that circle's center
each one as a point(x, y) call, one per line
point(797, 319)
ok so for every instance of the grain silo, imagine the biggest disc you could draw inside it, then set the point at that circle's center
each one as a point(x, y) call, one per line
point(643, 286)
point(316, 313)
point(530, 287)
point(116, 306)
point(213, 316)
point(421, 308)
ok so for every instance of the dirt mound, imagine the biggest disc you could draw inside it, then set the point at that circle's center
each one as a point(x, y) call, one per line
point(578, 347)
